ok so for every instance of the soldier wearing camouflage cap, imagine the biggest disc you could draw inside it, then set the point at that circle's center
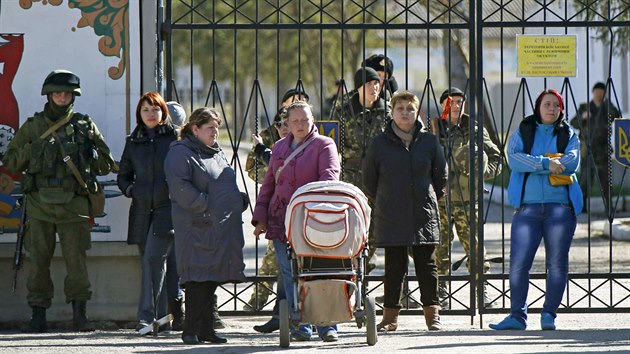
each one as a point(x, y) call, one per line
point(52, 149)
point(453, 131)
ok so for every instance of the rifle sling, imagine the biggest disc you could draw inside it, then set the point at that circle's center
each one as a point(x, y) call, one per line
point(57, 125)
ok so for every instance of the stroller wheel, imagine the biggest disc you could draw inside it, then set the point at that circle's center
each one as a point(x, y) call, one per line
point(285, 329)
point(370, 320)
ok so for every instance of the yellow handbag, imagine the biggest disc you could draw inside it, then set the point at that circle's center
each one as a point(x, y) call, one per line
point(558, 180)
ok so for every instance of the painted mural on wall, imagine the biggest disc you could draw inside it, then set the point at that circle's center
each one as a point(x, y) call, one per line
point(88, 37)
point(11, 49)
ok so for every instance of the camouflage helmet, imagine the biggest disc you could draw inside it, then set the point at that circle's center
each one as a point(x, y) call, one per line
point(61, 81)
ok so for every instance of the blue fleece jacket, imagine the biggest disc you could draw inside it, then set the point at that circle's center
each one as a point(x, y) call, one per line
point(538, 189)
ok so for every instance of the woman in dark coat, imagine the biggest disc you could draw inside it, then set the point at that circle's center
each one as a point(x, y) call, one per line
point(207, 207)
point(141, 177)
point(404, 172)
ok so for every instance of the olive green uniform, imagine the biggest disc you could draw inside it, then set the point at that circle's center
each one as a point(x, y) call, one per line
point(56, 203)
point(455, 140)
point(360, 126)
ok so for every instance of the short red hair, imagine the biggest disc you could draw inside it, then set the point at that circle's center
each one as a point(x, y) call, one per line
point(154, 99)
point(548, 92)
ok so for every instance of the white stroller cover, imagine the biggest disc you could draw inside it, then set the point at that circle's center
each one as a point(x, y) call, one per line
point(328, 219)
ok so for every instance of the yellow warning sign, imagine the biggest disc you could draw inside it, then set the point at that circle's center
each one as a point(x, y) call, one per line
point(546, 55)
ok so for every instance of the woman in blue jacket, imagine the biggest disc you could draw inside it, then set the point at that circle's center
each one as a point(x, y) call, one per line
point(544, 154)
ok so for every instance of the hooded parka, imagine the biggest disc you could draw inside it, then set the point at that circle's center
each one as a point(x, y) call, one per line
point(207, 207)
point(142, 178)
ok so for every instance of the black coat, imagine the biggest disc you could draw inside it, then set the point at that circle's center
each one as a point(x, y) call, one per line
point(405, 185)
point(141, 177)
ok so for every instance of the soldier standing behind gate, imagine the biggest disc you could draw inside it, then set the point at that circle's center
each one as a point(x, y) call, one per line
point(56, 202)
point(365, 115)
point(454, 134)
point(600, 112)
point(384, 67)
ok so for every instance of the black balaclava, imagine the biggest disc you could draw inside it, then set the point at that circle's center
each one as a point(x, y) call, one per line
point(54, 111)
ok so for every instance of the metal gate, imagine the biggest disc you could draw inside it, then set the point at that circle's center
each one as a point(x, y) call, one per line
point(240, 56)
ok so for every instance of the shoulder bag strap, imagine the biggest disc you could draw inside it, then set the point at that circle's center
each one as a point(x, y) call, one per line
point(290, 157)
point(59, 124)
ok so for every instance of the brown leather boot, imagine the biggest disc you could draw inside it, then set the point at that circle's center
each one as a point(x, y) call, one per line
point(432, 317)
point(390, 319)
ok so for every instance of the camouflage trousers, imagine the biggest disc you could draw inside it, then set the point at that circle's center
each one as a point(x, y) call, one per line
point(462, 226)
point(40, 243)
point(269, 266)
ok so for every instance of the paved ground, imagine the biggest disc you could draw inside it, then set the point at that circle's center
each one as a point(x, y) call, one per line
point(588, 333)
point(576, 333)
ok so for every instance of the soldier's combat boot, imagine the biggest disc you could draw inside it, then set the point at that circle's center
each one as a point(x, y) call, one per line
point(176, 308)
point(80, 322)
point(443, 295)
point(37, 324)
point(217, 322)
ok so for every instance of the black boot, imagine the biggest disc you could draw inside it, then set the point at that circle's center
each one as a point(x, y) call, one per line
point(217, 322)
point(37, 324)
point(212, 337)
point(270, 326)
point(80, 323)
point(176, 308)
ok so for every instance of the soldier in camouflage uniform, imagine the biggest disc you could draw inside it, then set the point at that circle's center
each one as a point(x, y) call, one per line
point(362, 116)
point(454, 135)
point(593, 120)
point(56, 202)
point(384, 67)
point(256, 167)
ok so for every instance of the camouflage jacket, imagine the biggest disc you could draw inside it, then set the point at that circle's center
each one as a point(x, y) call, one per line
point(255, 163)
point(53, 192)
point(455, 140)
point(360, 126)
point(599, 116)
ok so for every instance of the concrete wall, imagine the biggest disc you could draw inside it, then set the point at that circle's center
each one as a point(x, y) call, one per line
point(114, 269)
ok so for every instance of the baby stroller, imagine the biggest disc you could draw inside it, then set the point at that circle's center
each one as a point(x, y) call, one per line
point(327, 224)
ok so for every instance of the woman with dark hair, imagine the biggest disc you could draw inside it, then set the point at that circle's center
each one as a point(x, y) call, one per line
point(141, 177)
point(207, 207)
point(543, 153)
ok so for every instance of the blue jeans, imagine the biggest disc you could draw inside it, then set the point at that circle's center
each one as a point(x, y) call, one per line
point(154, 254)
point(284, 265)
point(173, 290)
point(555, 223)
point(281, 296)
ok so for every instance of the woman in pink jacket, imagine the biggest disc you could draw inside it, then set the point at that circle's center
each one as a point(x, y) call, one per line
point(318, 161)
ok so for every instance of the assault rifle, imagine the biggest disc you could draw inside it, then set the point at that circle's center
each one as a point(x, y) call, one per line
point(19, 244)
